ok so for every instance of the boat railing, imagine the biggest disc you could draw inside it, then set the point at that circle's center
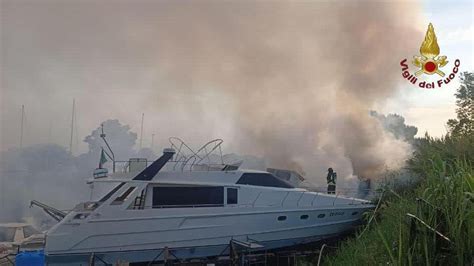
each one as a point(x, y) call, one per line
point(124, 166)
point(363, 193)
point(334, 201)
point(184, 206)
point(193, 158)
point(182, 163)
point(209, 148)
point(179, 146)
point(186, 158)
point(316, 195)
point(181, 160)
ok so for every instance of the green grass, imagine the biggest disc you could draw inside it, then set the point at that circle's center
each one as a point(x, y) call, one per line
point(412, 222)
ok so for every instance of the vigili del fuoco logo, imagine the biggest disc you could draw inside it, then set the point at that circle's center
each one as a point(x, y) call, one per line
point(429, 62)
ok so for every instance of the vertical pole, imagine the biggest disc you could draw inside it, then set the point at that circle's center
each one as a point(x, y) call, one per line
point(75, 131)
point(3, 193)
point(166, 255)
point(231, 253)
point(141, 132)
point(92, 259)
point(50, 131)
point(152, 141)
point(72, 125)
point(21, 127)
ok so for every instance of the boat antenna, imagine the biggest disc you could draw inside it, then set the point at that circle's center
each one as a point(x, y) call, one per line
point(21, 127)
point(141, 131)
point(111, 155)
point(72, 124)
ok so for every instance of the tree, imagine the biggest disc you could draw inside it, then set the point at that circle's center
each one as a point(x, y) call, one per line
point(395, 124)
point(119, 136)
point(464, 124)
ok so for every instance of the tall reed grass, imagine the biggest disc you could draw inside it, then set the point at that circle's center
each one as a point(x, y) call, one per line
point(430, 223)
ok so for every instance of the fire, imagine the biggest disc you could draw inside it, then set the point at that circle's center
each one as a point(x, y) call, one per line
point(429, 48)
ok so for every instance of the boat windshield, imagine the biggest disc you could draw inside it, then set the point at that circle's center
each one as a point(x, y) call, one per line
point(263, 179)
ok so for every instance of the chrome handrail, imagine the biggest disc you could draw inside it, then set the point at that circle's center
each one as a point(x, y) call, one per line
point(183, 206)
point(181, 160)
point(204, 152)
point(337, 194)
point(217, 144)
point(186, 162)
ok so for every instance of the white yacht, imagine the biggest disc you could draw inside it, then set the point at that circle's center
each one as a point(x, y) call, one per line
point(177, 209)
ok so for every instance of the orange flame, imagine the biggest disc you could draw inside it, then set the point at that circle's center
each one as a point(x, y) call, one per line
point(429, 48)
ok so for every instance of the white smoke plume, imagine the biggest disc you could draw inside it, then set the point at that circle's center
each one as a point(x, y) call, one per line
point(50, 174)
point(291, 82)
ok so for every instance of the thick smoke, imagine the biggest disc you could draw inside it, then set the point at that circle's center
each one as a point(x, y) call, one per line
point(50, 174)
point(302, 77)
point(395, 124)
point(291, 82)
point(45, 172)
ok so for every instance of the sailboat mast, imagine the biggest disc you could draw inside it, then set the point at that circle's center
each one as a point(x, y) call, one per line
point(152, 141)
point(22, 122)
point(72, 124)
point(141, 131)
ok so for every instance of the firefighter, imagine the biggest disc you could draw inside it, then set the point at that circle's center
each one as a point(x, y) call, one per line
point(331, 179)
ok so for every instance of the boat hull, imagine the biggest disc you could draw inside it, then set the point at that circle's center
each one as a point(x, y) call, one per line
point(208, 242)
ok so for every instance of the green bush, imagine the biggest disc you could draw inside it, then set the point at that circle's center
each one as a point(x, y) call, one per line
point(432, 224)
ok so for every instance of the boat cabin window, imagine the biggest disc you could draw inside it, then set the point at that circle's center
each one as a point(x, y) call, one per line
point(179, 197)
point(262, 179)
point(232, 195)
point(120, 199)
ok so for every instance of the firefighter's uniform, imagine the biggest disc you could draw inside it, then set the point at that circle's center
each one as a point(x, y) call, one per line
point(331, 179)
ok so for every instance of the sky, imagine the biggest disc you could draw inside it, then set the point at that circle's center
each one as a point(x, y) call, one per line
point(427, 109)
